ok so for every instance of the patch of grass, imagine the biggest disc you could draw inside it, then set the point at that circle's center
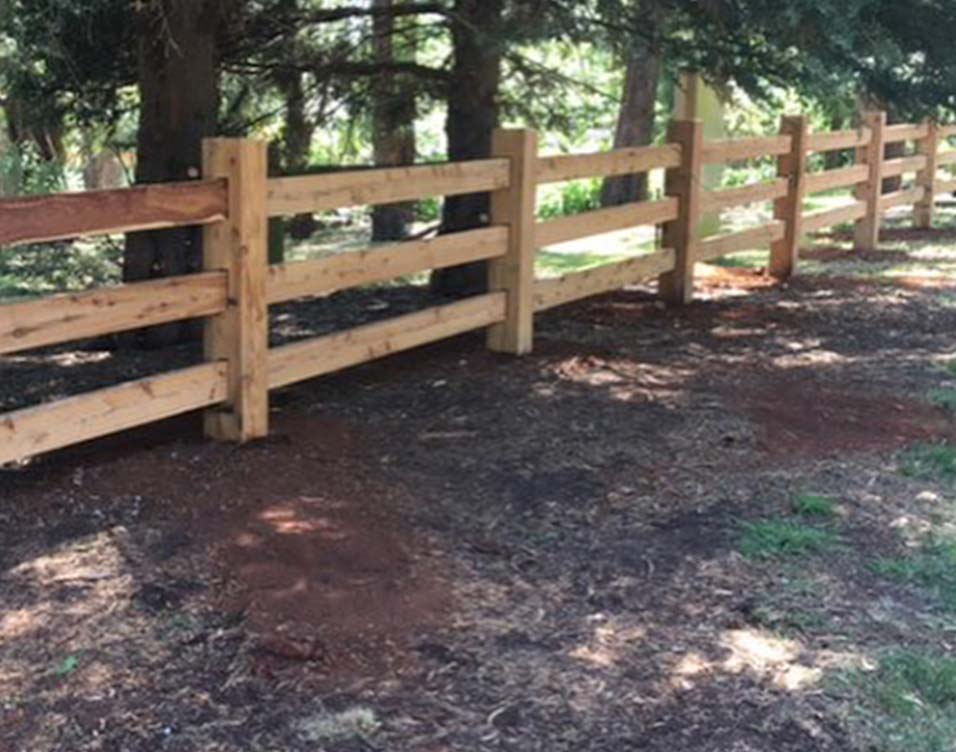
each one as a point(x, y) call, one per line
point(552, 262)
point(930, 462)
point(776, 538)
point(908, 704)
point(943, 398)
point(951, 367)
point(933, 568)
point(789, 621)
point(742, 260)
point(813, 505)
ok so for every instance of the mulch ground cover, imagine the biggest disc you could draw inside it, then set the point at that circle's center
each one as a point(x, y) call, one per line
point(457, 550)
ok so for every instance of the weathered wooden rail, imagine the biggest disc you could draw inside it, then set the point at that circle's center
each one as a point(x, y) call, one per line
point(234, 291)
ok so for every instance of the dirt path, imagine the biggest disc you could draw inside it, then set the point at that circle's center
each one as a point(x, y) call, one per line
point(454, 550)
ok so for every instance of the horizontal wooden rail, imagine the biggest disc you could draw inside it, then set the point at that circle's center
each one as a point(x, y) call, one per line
point(745, 240)
point(947, 131)
point(44, 428)
point(608, 164)
point(325, 276)
point(946, 158)
point(839, 140)
point(840, 178)
point(63, 318)
point(60, 216)
point(894, 167)
point(739, 150)
point(901, 198)
point(305, 360)
point(727, 198)
point(945, 186)
point(317, 193)
point(893, 134)
point(576, 285)
point(819, 220)
point(600, 221)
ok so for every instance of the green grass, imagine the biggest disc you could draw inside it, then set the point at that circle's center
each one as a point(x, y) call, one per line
point(562, 263)
point(930, 462)
point(908, 704)
point(787, 622)
point(933, 568)
point(943, 397)
point(771, 539)
point(951, 367)
point(813, 505)
point(742, 260)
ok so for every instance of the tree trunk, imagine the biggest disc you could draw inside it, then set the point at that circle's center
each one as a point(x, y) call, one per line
point(393, 123)
point(833, 160)
point(179, 88)
point(296, 143)
point(472, 117)
point(635, 124)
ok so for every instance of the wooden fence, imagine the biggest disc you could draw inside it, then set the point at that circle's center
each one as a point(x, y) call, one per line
point(235, 199)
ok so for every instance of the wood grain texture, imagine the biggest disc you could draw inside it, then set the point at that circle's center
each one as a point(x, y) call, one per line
point(344, 270)
point(728, 198)
point(684, 185)
point(945, 186)
point(239, 246)
point(513, 273)
point(924, 210)
point(839, 140)
point(41, 219)
point(819, 220)
point(946, 158)
point(315, 357)
point(608, 164)
point(40, 429)
point(577, 285)
point(745, 240)
point(788, 209)
point(901, 198)
point(894, 167)
point(742, 149)
point(839, 178)
point(905, 132)
point(317, 193)
point(63, 318)
point(866, 235)
point(601, 221)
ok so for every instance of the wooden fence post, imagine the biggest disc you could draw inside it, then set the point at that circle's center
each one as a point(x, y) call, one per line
point(239, 246)
point(683, 234)
point(785, 252)
point(513, 273)
point(926, 178)
point(867, 234)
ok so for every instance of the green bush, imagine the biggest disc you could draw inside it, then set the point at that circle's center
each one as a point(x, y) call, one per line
point(575, 197)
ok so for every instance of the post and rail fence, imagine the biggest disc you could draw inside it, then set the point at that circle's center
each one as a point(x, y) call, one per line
point(235, 199)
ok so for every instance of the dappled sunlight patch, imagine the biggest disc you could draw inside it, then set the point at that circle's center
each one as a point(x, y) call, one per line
point(66, 359)
point(754, 650)
point(95, 562)
point(19, 623)
point(608, 644)
point(783, 662)
point(625, 379)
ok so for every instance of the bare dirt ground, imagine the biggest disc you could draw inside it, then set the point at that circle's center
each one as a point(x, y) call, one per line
point(454, 550)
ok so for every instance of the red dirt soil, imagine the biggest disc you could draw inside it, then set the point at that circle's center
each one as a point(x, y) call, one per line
point(796, 417)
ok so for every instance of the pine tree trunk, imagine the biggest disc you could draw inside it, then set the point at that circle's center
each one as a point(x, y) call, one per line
point(296, 143)
point(635, 124)
point(179, 86)
point(393, 123)
point(472, 117)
